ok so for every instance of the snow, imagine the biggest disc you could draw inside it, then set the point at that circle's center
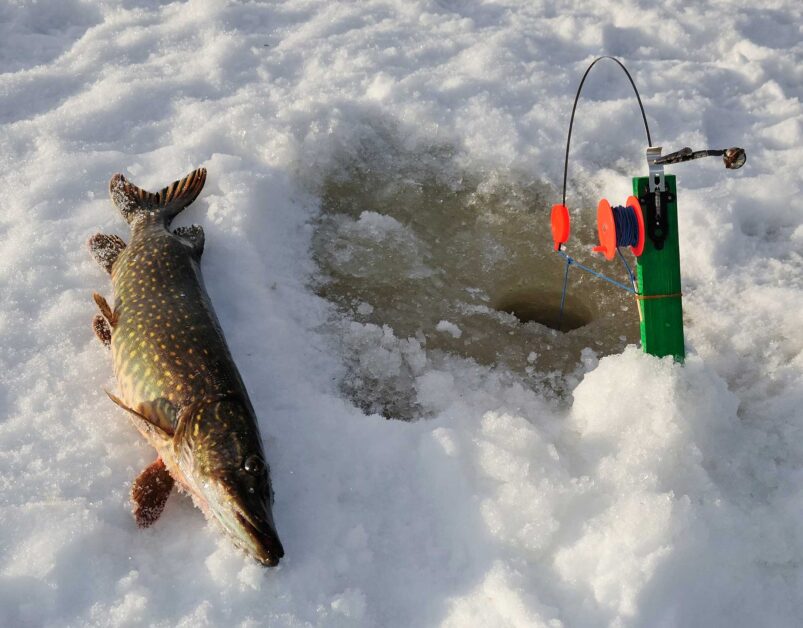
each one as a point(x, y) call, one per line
point(449, 328)
point(546, 480)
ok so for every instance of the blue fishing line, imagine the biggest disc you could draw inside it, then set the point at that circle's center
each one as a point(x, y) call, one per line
point(627, 268)
point(569, 261)
point(626, 223)
point(573, 262)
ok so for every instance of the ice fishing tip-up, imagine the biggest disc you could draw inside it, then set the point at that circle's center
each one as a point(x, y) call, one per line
point(648, 225)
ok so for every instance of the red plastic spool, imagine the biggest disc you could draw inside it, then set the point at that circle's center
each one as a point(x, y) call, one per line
point(560, 225)
point(632, 201)
point(606, 228)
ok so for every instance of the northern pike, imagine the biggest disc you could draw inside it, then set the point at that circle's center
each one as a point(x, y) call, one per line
point(175, 373)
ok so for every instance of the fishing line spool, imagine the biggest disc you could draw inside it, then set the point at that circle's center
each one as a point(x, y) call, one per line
point(620, 226)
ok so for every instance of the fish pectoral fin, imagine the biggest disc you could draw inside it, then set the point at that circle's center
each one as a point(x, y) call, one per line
point(102, 330)
point(104, 308)
point(147, 421)
point(194, 235)
point(161, 413)
point(149, 493)
point(105, 249)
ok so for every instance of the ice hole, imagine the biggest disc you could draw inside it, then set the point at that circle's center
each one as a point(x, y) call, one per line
point(427, 260)
point(544, 308)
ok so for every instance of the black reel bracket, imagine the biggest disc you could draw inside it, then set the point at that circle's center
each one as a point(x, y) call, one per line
point(656, 199)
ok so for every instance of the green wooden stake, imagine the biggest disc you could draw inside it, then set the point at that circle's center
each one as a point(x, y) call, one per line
point(659, 274)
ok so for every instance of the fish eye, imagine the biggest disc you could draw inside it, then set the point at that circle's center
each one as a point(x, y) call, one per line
point(254, 465)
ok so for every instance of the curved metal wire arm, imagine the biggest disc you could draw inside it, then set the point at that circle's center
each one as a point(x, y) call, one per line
point(574, 108)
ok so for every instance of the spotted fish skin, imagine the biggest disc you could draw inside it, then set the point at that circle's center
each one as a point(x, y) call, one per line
point(175, 373)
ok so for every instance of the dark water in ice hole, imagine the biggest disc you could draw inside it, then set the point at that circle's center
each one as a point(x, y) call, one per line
point(409, 240)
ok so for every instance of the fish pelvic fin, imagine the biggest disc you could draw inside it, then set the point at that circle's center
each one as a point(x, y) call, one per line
point(102, 330)
point(133, 201)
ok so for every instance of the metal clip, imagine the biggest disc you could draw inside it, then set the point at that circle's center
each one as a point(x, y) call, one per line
point(657, 182)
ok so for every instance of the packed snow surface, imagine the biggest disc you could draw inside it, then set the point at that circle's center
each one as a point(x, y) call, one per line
point(630, 491)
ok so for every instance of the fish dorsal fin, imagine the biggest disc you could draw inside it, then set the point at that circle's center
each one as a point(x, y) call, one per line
point(133, 201)
point(154, 418)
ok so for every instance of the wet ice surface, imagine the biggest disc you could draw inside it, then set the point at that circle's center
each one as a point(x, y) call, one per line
point(425, 258)
point(645, 494)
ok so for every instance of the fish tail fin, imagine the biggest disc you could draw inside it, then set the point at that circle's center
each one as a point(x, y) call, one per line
point(133, 201)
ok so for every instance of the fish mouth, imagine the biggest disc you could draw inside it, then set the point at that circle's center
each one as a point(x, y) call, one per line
point(244, 517)
point(259, 539)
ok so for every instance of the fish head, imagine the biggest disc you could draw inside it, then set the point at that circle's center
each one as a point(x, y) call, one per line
point(223, 460)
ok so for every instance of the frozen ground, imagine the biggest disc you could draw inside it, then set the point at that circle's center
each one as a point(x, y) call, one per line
point(651, 495)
